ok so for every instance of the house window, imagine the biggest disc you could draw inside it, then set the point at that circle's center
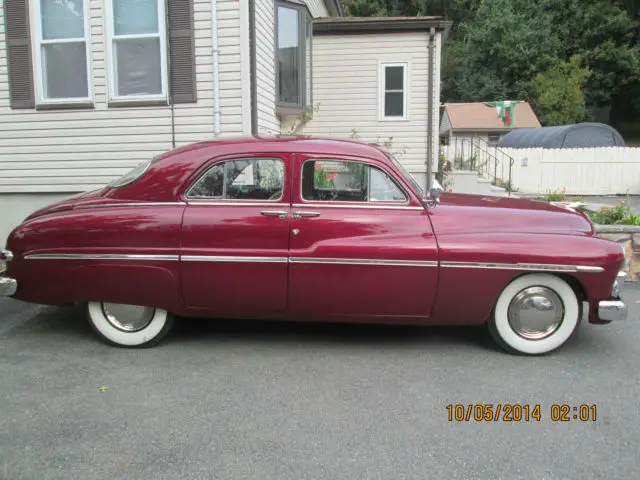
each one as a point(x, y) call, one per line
point(137, 51)
point(393, 94)
point(293, 55)
point(62, 51)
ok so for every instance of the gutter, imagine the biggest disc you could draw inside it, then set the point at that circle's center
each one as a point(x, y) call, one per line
point(216, 79)
point(430, 106)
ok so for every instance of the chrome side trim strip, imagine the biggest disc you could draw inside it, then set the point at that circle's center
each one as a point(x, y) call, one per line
point(238, 204)
point(370, 206)
point(216, 258)
point(100, 256)
point(535, 267)
point(364, 261)
point(130, 204)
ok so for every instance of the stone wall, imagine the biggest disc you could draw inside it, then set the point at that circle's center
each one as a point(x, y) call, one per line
point(629, 237)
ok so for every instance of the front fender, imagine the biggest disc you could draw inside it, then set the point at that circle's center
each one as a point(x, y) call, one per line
point(474, 268)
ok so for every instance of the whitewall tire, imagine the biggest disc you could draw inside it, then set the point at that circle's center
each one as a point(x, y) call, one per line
point(129, 325)
point(535, 314)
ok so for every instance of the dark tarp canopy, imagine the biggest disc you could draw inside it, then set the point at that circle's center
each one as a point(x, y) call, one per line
point(579, 135)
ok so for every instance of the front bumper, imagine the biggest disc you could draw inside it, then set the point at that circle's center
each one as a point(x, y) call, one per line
point(611, 310)
point(8, 286)
point(614, 308)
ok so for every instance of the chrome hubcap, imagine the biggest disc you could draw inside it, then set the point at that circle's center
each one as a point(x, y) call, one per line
point(128, 318)
point(535, 313)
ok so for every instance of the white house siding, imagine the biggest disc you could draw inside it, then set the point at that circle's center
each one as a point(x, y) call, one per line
point(68, 151)
point(445, 126)
point(345, 85)
point(317, 8)
point(268, 122)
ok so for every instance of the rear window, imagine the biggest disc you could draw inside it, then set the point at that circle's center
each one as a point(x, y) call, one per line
point(131, 176)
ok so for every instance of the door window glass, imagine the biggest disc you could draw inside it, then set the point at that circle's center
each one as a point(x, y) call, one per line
point(334, 180)
point(242, 179)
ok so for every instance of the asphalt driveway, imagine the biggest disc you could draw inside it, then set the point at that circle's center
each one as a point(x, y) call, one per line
point(279, 401)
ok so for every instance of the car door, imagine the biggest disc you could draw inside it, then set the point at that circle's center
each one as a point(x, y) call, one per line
point(235, 237)
point(362, 244)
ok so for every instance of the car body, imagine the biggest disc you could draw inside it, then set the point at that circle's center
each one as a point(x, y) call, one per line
point(311, 230)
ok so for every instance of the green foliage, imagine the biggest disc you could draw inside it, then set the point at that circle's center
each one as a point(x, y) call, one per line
point(444, 170)
point(557, 94)
point(499, 52)
point(556, 195)
point(620, 214)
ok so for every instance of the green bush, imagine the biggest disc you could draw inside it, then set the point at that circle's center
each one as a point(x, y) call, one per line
point(620, 214)
point(556, 195)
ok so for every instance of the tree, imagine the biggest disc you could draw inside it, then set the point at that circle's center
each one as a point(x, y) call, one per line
point(557, 93)
point(494, 56)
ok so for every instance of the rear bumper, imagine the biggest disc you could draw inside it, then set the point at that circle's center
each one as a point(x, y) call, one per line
point(8, 286)
point(611, 310)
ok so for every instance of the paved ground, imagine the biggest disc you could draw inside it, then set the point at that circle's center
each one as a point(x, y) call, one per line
point(277, 401)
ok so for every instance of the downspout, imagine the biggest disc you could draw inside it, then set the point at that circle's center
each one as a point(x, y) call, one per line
point(253, 67)
point(216, 80)
point(430, 82)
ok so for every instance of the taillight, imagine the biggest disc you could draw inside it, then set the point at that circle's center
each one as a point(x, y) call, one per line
point(6, 255)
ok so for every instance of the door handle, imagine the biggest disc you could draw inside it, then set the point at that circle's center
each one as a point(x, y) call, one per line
point(299, 215)
point(275, 213)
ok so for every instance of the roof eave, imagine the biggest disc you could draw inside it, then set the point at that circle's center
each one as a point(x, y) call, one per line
point(417, 24)
point(334, 7)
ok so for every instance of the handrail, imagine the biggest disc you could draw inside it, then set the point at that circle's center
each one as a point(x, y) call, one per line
point(481, 145)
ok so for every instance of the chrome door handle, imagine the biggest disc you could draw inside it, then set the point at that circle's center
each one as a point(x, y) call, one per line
point(275, 213)
point(299, 215)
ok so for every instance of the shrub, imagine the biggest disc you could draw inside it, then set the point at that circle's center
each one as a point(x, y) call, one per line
point(556, 195)
point(621, 214)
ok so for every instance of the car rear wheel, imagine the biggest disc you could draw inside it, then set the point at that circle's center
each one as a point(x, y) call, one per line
point(129, 325)
point(535, 314)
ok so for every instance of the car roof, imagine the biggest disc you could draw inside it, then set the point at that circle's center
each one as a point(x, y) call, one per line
point(276, 144)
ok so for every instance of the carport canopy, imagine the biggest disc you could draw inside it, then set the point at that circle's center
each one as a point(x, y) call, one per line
point(579, 135)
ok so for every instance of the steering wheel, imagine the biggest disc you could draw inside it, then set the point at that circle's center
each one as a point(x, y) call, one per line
point(276, 195)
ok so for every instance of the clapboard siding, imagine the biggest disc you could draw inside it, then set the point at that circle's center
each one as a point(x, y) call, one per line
point(345, 85)
point(268, 123)
point(317, 8)
point(75, 150)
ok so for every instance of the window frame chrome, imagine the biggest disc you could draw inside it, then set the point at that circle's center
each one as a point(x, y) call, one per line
point(232, 201)
point(393, 203)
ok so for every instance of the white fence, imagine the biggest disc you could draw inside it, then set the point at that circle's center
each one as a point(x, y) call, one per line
point(581, 171)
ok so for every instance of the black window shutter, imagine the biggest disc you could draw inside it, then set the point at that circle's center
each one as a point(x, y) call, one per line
point(16, 24)
point(182, 57)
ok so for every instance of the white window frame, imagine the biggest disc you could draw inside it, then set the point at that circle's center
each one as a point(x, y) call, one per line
point(382, 90)
point(111, 38)
point(38, 41)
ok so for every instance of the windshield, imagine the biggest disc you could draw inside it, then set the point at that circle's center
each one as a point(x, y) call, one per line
point(131, 176)
point(407, 175)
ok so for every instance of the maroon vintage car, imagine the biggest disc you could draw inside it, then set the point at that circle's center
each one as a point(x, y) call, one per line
point(312, 230)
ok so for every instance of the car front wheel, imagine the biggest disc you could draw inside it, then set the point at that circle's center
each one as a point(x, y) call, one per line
point(129, 325)
point(535, 314)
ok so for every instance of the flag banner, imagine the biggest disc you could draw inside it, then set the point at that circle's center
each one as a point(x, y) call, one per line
point(506, 110)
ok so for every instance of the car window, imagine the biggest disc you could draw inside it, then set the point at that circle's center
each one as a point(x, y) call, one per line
point(347, 181)
point(131, 176)
point(241, 179)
